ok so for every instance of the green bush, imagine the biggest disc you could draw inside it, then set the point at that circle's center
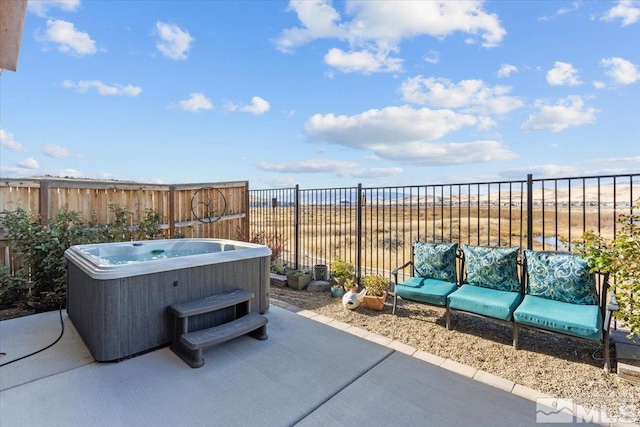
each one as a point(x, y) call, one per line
point(12, 291)
point(341, 269)
point(41, 250)
point(375, 284)
point(621, 259)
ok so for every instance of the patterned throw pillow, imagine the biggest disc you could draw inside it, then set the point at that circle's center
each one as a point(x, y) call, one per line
point(560, 277)
point(492, 267)
point(435, 260)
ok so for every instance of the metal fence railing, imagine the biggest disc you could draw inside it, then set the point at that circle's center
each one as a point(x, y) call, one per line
point(374, 228)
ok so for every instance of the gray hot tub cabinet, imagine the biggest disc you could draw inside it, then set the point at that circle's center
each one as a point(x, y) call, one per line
point(119, 318)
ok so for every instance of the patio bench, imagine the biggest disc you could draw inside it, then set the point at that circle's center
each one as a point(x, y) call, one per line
point(479, 280)
point(548, 291)
point(188, 345)
point(563, 297)
point(490, 284)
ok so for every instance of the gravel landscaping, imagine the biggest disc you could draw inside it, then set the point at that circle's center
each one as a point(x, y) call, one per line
point(553, 365)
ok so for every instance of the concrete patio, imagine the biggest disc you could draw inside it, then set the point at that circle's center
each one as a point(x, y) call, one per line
point(311, 371)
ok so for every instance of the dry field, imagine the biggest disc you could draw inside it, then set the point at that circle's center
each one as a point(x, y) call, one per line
point(386, 233)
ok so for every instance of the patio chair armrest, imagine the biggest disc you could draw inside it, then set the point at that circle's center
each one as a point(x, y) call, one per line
point(395, 271)
point(612, 306)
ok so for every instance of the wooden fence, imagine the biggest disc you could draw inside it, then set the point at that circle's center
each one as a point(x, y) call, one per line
point(212, 210)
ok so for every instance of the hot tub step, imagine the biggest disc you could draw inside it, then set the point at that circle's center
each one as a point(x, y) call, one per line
point(212, 303)
point(189, 344)
point(225, 332)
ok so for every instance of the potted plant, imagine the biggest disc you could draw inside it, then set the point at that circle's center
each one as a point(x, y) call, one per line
point(376, 294)
point(336, 290)
point(298, 279)
point(350, 285)
point(341, 270)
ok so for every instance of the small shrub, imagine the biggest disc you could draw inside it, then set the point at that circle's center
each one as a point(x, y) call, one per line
point(274, 241)
point(621, 259)
point(12, 292)
point(375, 284)
point(148, 228)
point(341, 269)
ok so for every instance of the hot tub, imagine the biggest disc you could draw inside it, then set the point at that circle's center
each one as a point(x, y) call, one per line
point(118, 293)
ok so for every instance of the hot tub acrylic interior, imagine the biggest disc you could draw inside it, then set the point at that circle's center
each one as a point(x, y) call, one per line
point(118, 293)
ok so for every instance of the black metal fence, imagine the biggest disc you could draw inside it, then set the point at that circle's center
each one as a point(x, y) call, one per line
point(374, 228)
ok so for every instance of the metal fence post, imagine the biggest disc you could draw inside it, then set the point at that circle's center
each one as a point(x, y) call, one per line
point(529, 211)
point(296, 226)
point(359, 232)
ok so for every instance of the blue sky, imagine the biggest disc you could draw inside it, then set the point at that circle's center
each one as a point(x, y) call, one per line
point(321, 93)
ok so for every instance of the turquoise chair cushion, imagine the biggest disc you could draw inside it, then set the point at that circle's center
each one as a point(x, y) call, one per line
point(492, 267)
point(560, 276)
point(485, 301)
point(579, 320)
point(430, 291)
point(435, 260)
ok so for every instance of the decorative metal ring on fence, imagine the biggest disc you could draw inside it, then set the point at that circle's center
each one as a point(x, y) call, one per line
point(208, 205)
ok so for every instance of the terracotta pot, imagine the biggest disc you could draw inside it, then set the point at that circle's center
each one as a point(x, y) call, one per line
point(374, 302)
point(354, 288)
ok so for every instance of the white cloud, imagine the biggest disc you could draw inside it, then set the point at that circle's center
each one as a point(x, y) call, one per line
point(469, 95)
point(103, 89)
point(506, 70)
point(375, 29)
point(174, 42)
point(9, 142)
point(628, 11)
point(196, 102)
point(622, 71)
point(319, 20)
point(29, 163)
point(598, 84)
point(568, 112)
point(339, 168)
point(433, 57)
point(280, 182)
point(405, 135)
point(41, 7)
point(563, 74)
point(56, 151)
point(432, 154)
point(68, 39)
point(363, 61)
point(370, 172)
point(307, 166)
point(258, 106)
point(30, 167)
point(565, 10)
point(541, 171)
point(618, 160)
point(389, 125)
